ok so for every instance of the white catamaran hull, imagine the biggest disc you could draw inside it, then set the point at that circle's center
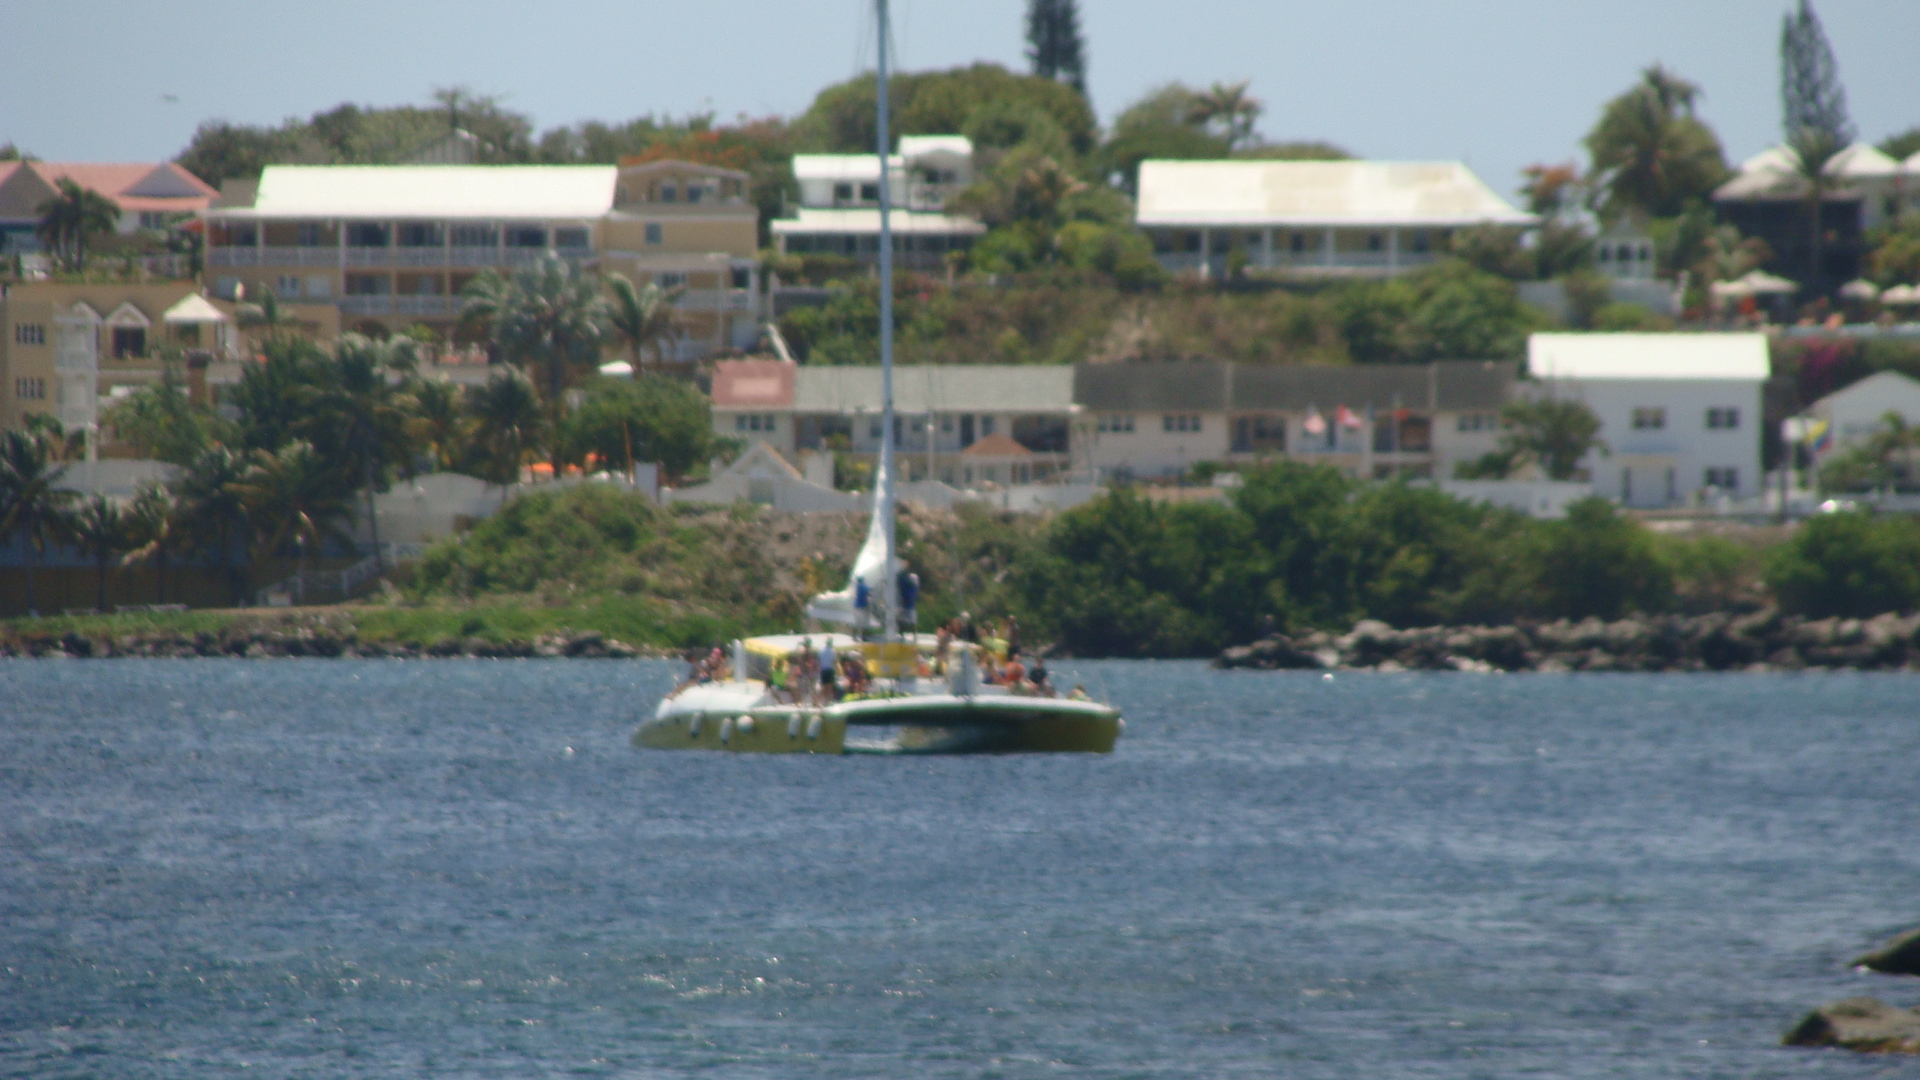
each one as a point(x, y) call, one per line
point(741, 717)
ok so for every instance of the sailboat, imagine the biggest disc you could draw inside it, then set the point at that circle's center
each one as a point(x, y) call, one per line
point(915, 693)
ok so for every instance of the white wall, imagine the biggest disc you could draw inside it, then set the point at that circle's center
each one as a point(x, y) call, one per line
point(1150, 451)
point(1685, 445)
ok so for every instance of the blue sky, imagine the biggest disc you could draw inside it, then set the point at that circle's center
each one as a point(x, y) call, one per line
point(1497, 83)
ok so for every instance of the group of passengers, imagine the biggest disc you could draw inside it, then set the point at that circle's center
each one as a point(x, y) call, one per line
point(998, 649)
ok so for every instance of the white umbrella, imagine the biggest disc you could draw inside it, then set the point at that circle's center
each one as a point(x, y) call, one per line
point(1762, 282)
point(1860, 289)
point(619, 369)
point(1901, 294)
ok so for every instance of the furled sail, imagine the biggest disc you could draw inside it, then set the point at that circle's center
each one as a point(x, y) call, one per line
point(872, 567)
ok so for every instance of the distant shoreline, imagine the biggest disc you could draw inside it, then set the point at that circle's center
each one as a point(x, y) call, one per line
point(1759, 641)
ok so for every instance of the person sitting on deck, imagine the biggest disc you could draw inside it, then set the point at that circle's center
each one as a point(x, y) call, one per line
point(1037, 675)
point(1015, 675)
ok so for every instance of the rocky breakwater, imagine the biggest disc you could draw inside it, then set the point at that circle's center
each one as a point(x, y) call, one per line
point(1868, 1024)
point(256, 643)
point(1764, 640)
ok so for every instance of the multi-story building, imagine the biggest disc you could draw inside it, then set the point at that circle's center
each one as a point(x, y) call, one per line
point(839, 211)
point(67, 350)
point(150, 196)
point(1680, 414)
point(965, 424)
point(1866, 189)
point(392, 246)
point(1311, 218)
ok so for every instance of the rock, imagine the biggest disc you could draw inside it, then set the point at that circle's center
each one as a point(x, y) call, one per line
point(1859, 1023)
point(1901, 956)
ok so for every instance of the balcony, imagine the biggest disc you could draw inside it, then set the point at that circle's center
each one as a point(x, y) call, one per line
point(273, 256)
point(242, 256)
point(723, 300)
point(420, 306)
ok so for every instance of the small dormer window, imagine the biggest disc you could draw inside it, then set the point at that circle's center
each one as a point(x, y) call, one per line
point(669, 193)
point(694, 193)
point(869, 192)
point(843, 193)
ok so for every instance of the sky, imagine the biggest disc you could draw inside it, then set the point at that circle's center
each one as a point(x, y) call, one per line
point(1499, 84)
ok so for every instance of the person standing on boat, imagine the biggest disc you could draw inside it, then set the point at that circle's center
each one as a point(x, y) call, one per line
point(909, 586)
point(862, 604)
point(827, 672)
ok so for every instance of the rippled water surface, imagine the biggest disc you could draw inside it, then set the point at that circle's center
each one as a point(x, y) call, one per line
point(451, 868)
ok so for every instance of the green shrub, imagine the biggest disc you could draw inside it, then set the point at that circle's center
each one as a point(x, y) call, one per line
point(1848, 564)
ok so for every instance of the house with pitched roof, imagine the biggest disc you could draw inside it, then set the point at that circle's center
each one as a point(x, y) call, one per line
point(392, 246)
point(1768, 198)
point(1311, 218)
point(150, 196)
point(1680, 414)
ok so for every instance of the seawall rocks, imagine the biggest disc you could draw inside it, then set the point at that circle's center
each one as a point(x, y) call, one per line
point(1765, 640)
point(256, 643)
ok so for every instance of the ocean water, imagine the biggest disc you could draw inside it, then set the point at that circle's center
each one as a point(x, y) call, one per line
point(452, 868)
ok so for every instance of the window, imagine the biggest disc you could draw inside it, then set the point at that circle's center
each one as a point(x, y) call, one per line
point(874, 430)
point(1477, 421)
point(30, 334)
point(1297, 243)
point(366, 234)
point(30, 388)
point(1375, 243)
point(286, 287)
point(987, 424)
point(1422, 242)
point(309, 234)
point(671, 279)
point(1723, 419)
point(570, 238)
point(1726, 478)
point(756, 422)
point(129, 342)
point(526, 236)
point(369, 285)
point(869, 192)
point(1649, 418)
point(475, 236)
point(420, 234)
point(742, 277)
point(653, 232)
point(669, 193)
point(1180, 422)
point(843, 193)
point(155, 219)
point(1116, 423)
point(694, 193)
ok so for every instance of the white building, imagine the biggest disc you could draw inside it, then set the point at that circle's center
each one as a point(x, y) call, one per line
point(839, 212)
point(1855, 413)
point(1312, 218)
point(1680, 414)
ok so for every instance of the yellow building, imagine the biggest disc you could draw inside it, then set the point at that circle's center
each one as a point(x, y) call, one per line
point(392, 246)
point(67, 350)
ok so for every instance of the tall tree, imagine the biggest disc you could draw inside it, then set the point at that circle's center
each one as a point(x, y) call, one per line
point(1651, 154)
point(547, 315)
point(1229, 108)
point(154, 531)
point(72, 215)
point(213, 513)
point(1055, 47)
point(642, 316)
point(292, 496)
point(1815, 116)
point(508, 427)
point(99, 528)
point(32, 505)
point(359, 415)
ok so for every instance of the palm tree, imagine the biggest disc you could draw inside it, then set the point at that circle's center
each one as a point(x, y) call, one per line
point(1230, 106)
point(267, 316)
point(292, 497)
point(435, 422)
point(32, 505)
point(509, 425)
point(72, 215)
point(99, 528)
point(547, 314)
point(1650, 153)
point(361, 413)
point(152, 528)
point(213, 514)
point(643, 317)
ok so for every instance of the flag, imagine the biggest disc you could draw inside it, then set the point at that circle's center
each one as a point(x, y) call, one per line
point(1820, 436)
point(1346, 419)
point(1315, 423)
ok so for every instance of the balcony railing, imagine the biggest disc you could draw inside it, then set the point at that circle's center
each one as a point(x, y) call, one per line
point(715, 300)
point(401, 305)
point(242, 256)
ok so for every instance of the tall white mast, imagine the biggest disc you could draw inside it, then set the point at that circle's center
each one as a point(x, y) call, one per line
point(883, 486)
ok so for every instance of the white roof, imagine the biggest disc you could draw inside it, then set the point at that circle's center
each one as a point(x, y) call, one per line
point(433, 191)
point(860, 220)
point(1883, 391)
point(1775, 170)
point(920, 388)
point(839, 166)
point(1435, 193)
point(193, 309)
point(912, 146)
point(1648, 356)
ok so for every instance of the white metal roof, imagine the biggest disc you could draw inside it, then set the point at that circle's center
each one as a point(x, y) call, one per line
point(839, 166)
point(433, 191)
point(920, 388)
point(1648, 356)
point(1775, 171)
point(863, 220)
point(1318, 193)
point(193, 308)
point(912, 146)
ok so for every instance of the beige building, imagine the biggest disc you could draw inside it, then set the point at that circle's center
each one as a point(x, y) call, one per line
point(839, 211)
point(392, 246)
point(68, 350)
